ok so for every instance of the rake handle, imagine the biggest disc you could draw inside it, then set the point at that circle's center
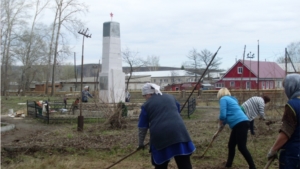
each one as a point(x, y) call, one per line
point(124, 158)
point(269, 163)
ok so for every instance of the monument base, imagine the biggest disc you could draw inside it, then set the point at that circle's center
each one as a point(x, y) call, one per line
point(112, 87)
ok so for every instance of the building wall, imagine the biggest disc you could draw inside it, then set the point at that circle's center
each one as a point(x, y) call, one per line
point(263, 84)
point(234, 72)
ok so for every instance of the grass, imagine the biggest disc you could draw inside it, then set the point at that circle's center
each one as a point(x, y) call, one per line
point(201, 126)
point(113, 145)
point(12, 102)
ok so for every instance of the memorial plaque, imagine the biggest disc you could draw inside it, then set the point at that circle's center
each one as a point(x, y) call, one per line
point(103, 83)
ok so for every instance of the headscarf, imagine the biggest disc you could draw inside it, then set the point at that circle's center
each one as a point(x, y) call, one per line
point(292, 85)
point(150, 88)
point(86, 87)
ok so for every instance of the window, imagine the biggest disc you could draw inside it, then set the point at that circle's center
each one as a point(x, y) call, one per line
point(178, 80)
point(279, 84)
point(267, 84)
point(271, 85)
point(165, 80)
point(160, 80)
point(154, 80)
point(232, 84)
point(263, 85)
point(219, 85)
point(248, 85)
point(240, 70)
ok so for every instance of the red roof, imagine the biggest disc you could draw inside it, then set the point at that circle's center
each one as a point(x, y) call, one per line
point(266, 69)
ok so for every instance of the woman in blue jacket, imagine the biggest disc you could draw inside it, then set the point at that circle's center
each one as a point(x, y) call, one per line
point(232, 114)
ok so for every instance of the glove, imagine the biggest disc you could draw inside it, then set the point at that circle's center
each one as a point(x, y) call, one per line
point(220, 127)
point(142, 135)
point(272, 154)
point(141, 147)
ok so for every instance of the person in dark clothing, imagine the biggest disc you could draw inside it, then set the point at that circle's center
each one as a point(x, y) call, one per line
point(232, 114)
point(65, 102)
point(86, 94)
point(287, 143)
point(168, 135)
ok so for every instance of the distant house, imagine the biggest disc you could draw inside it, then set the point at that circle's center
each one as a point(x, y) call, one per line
point(182, 86)
point(245, 76)
point(164, 78)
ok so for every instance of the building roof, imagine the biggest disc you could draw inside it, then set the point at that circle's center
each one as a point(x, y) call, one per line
point(165, 73)
point(266, 69)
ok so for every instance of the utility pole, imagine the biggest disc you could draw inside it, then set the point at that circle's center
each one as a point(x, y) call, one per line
point(251, 57)
point(258, 68)
point(75, 70)
point(80, 117)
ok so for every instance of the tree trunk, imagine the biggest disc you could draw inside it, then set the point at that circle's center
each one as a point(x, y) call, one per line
point(50, 53)
point(55, 49)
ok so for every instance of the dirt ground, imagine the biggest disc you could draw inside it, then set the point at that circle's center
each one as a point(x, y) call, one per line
point(23, 127)
point(29, 126)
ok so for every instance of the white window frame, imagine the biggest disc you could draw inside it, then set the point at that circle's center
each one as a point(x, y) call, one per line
point(267, 85)
point(248, 85)
point(239, 70)
point(263, 86)
point(219, 85)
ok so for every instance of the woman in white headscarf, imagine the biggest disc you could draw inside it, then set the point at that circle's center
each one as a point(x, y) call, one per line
point(168, 135)
point(288, 139)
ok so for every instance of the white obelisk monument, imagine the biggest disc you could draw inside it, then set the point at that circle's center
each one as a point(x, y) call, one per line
point(112, 78)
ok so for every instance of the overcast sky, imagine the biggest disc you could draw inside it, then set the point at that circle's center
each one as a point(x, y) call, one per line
point(171, 28)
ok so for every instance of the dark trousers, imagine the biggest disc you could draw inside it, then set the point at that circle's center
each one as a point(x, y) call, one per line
point(289, 159)
point(182, 161)
point(238, 137)
point(252, 127)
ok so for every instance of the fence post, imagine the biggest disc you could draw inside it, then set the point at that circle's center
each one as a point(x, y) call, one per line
point(27, 108)
point(47, 109)
point(35, 109)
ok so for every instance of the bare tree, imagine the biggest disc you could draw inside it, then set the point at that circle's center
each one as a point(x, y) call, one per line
point(194, 63)
point(67, 71)
point(34, 47)
point(293, 50)
point(66, 11)
point(205, 57)
point(13, 15)
point(152, 62)
point(133, 60)
point(37, 55)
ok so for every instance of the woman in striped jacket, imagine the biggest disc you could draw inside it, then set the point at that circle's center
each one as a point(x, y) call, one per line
point(253, 107)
